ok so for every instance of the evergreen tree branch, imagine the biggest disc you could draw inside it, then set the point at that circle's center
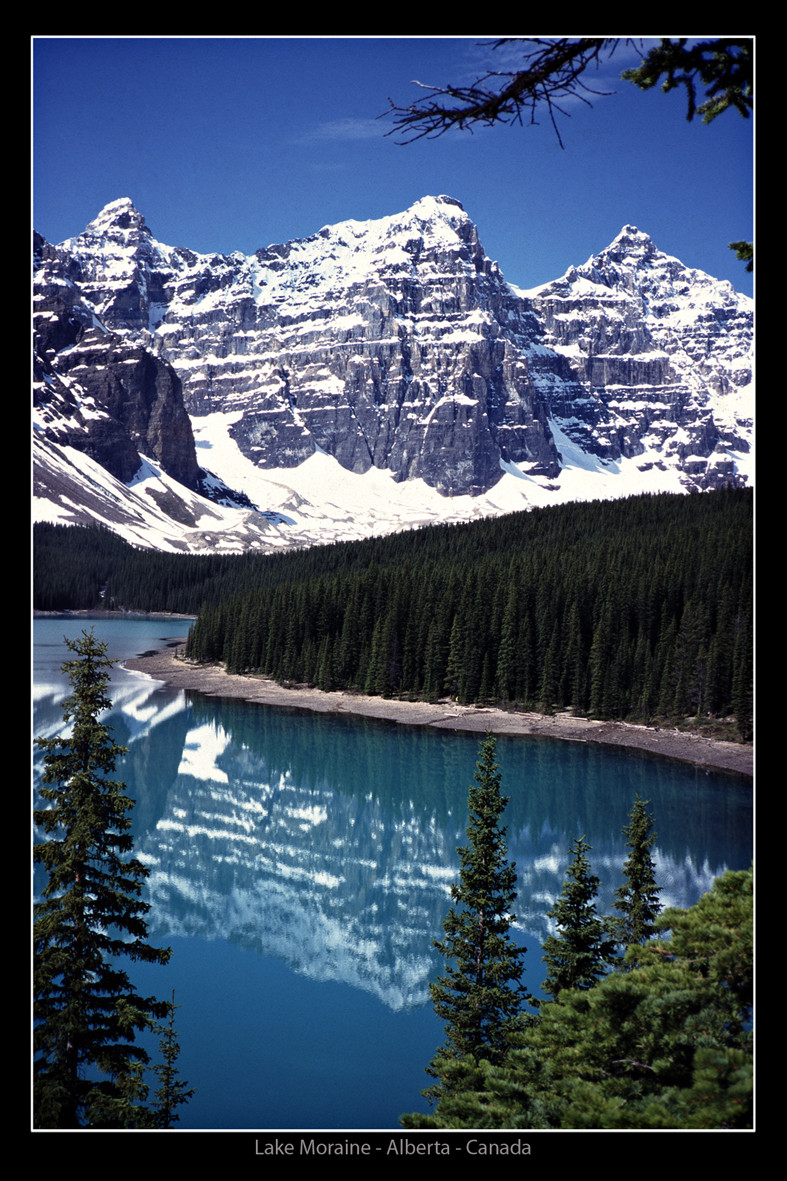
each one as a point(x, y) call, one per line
point(552, 71)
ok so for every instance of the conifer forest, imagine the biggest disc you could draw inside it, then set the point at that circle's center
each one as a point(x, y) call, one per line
point(638, 609)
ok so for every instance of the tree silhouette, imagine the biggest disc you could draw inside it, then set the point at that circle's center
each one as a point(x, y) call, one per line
point(88, 1065)
point(578, 956)
point(479, 995)
point(638, 898)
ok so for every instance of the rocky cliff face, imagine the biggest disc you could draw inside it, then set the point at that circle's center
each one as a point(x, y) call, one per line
point(378, 343)
point(99, 390)
point(656, 361)
point(393, 345)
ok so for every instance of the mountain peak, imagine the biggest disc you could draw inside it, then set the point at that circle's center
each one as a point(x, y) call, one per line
point(428, 203)
point(394, 344)
point(630, 243)
point(632, 234)
point(118, 216)
point(435, 209)
point(425, 210)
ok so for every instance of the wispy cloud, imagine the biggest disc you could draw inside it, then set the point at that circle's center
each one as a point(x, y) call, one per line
point(343, 130)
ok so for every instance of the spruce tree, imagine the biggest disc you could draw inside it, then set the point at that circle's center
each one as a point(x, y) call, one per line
point(578, 956)
point(638, 899)
point(480, 994)
point(172, 1092)
point(667, 1046)
point(88, 1066)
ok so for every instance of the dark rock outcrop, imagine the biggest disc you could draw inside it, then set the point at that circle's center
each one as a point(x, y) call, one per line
point(100, 391)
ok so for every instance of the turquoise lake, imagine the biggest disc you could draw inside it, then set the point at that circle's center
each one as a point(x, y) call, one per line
point(300, 866)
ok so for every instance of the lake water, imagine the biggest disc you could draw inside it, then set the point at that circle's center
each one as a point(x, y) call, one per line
point(300, 866)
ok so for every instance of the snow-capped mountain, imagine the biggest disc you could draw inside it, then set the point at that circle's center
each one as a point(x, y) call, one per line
point(374, 376)
point(663, 354)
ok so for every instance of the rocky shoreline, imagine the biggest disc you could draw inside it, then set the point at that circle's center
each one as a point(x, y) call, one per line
point(212, 680)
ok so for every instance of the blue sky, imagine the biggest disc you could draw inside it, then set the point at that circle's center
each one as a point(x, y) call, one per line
point(235, 143)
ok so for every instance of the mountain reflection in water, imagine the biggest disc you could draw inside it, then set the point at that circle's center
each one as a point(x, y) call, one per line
point(327, 845)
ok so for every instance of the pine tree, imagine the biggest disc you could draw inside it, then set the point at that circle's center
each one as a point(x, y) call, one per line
point(600, 663)
point(578, 956)
point(667, 1046)
point(172, 1091)
point(87, 1069)
point(549, 692)
point(454, 663)
point(480, 994)
point(638, 899)
point(507, 652)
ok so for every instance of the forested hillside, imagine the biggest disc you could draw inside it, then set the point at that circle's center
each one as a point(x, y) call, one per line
point(638, 608)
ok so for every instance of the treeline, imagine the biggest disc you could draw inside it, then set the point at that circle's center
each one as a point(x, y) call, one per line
point(71, 566)
point(86, 568)
point(636, 609)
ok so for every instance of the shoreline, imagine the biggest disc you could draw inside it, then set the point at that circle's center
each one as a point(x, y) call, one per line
point(213, 681)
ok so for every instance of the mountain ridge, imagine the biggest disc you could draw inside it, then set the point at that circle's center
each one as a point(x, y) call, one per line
point(390, 351)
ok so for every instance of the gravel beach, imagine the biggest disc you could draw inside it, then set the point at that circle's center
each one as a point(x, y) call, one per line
point(164, 665)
